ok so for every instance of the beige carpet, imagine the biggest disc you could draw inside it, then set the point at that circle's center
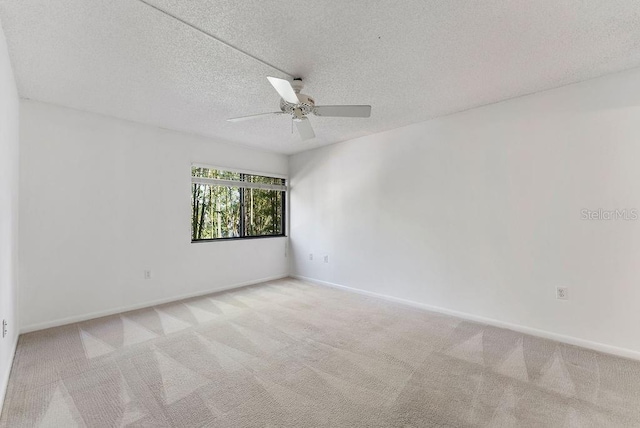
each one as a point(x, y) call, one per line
point(291, 354)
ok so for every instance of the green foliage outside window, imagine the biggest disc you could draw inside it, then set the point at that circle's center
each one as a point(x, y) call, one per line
point(235, 210)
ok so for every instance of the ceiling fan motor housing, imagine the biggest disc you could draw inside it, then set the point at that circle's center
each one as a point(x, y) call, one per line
point(306, 105)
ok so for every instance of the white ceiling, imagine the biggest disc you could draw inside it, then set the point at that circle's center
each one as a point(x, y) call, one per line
point(412, 60)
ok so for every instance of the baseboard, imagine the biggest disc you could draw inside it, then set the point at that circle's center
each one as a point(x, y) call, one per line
point(98, 314)
point(596, 346)
point(3, 388)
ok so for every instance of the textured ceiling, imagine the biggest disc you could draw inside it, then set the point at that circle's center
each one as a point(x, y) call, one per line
point(411, 60)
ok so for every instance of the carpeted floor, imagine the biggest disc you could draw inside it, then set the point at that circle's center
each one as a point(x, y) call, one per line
point(291, 354)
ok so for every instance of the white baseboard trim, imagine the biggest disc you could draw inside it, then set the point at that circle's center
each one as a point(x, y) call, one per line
point(5, 385)
point(596, 346)
point(107, 312)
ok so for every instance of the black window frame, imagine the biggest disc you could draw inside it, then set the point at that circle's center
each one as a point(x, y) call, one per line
point(243, 176)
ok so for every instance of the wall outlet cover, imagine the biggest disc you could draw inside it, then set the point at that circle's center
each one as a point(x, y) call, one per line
point(562, 293)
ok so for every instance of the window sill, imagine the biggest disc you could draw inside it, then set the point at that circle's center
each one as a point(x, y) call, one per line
point(238, 238)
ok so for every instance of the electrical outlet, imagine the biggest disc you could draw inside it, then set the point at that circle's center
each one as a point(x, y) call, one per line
point(310, 256)
point(5, 331)
point(147, 274)
point(326, 258)
point(562, 293)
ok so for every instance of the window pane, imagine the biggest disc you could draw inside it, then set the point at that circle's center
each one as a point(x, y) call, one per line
point(214, 173)
point(266, 180)
point(221, 210)
point(263, 212)
point(215, 212)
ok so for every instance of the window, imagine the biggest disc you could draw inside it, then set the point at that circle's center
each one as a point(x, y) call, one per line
point(228, 205)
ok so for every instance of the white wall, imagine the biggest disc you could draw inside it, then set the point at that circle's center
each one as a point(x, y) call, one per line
point(9, 163)
point(480, 213)
point(103, 199)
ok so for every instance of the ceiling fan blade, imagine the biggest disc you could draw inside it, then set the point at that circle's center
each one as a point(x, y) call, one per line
point(285, 89)
point(342, 111)
point(305, 129)
point(253, 116)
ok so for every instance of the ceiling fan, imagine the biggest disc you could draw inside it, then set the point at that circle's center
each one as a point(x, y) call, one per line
point(299, 106)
